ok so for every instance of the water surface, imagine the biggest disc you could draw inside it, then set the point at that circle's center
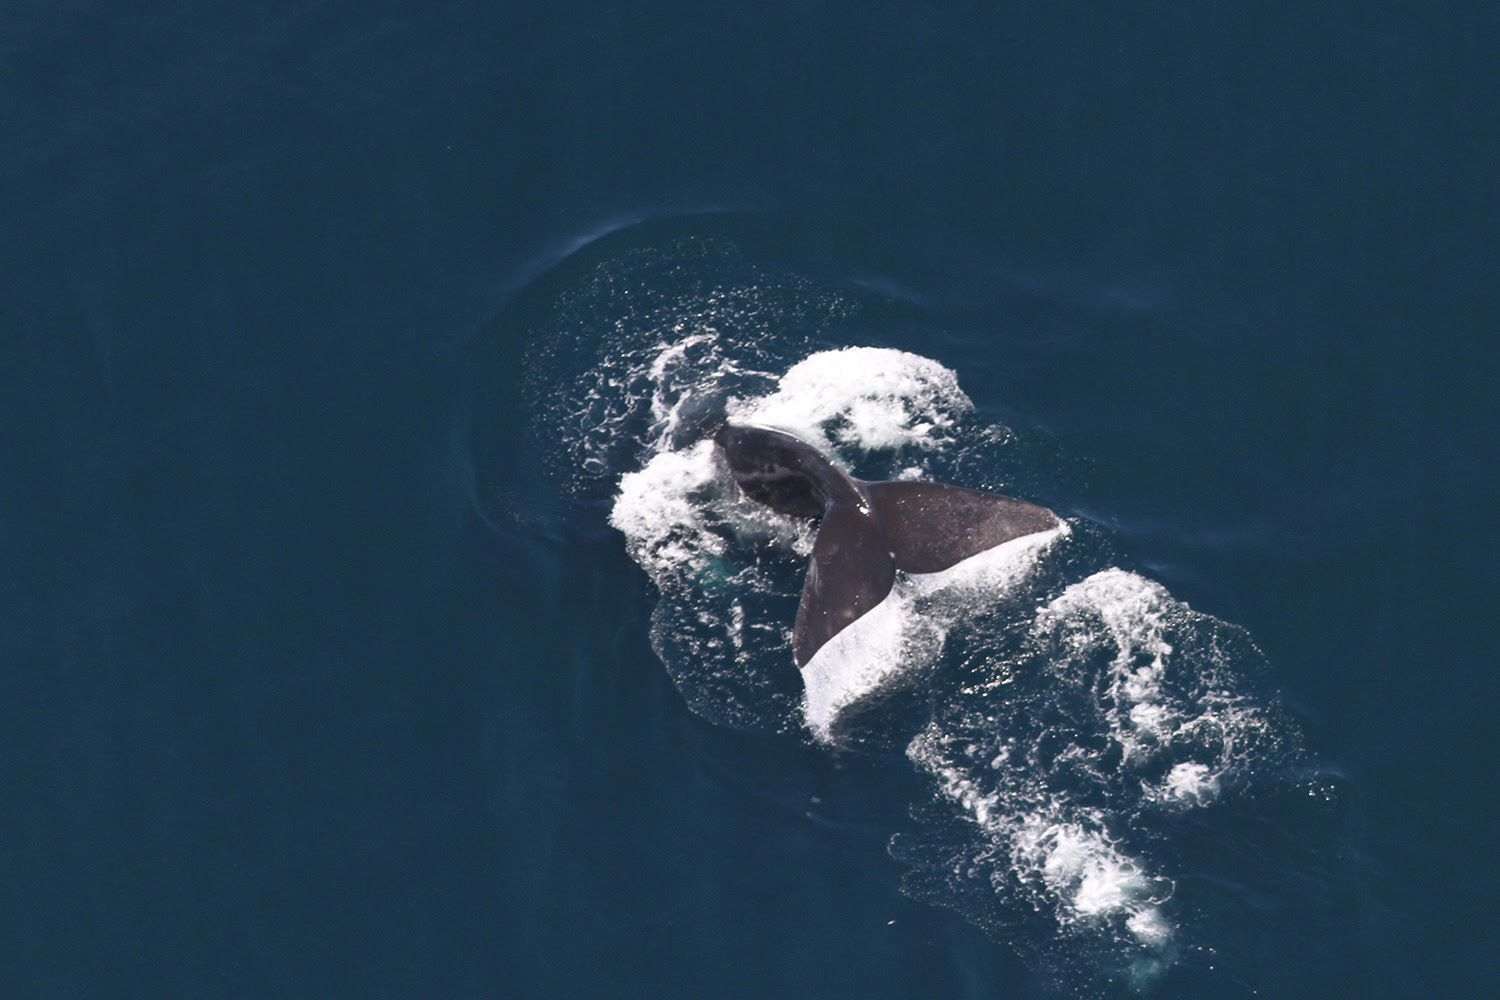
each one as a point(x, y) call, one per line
point(322, 675)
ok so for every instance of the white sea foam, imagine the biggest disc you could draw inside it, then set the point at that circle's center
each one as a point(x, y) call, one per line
point(1202, 715)
point(869, 397)
point(1133, 611)
point(1063, 854)
point(1126, 665)
point(1190, 783)
point(1082, 867)
point(678, 516)
point(666, 529)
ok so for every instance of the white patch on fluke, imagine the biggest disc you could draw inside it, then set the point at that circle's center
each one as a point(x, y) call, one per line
point(893, 638)
point(885, 643)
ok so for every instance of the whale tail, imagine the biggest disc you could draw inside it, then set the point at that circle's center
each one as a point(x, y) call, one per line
point(868, 530)
point(916, 527)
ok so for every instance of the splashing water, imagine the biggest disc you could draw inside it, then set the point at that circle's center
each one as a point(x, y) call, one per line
point(1067, 713)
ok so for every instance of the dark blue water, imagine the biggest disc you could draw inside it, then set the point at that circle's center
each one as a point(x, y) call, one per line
point(321, 674)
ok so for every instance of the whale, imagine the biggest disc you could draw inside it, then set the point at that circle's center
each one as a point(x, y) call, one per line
point(867, 530)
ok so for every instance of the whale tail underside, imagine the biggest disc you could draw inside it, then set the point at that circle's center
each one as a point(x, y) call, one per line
point(915, 527)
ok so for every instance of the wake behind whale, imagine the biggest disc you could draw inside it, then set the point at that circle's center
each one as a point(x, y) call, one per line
point(1073, 719)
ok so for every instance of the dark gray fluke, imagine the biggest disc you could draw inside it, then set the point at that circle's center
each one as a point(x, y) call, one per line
point(869, 530)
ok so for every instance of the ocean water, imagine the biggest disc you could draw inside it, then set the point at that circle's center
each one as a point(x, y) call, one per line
point(375, 619)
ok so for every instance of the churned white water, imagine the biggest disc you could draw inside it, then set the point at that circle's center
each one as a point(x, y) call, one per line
point(865, 397)
point(1072, 703)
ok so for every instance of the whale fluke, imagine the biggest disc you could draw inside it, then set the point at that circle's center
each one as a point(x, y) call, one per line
point(869, 529)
